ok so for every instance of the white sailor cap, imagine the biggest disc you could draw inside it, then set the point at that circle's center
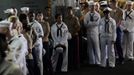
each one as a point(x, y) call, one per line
point(24, 9)
point(129, 2)
point(5, 26)
point(107, 9)
point(9, 11)
point(91, 3)
point(103, 3)
point(15, 11)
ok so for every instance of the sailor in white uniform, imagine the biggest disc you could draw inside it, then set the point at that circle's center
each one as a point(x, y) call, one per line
point(18, 45)
point(60, 36)
point(91, 22)
point(107, 31)
point(128, 29)
point(38, 45)
point(7, 67)
point(24, 50)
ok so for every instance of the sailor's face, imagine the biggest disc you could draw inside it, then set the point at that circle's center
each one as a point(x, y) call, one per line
point(25, 21)
point(92, 7)
point(112, 4)
point(39, 16)
point(107, 14)
point(59, 19)
point(31, 17)
point(129, 6)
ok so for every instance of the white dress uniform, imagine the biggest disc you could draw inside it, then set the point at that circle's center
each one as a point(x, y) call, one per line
point(4, 27)
point(60, 39)
point(14, 45)
point(9, 68)
point(107, 31)
point(91, 22)
point(38, 46)
point(18, 51)
point(128, 37)
point(21, 60)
